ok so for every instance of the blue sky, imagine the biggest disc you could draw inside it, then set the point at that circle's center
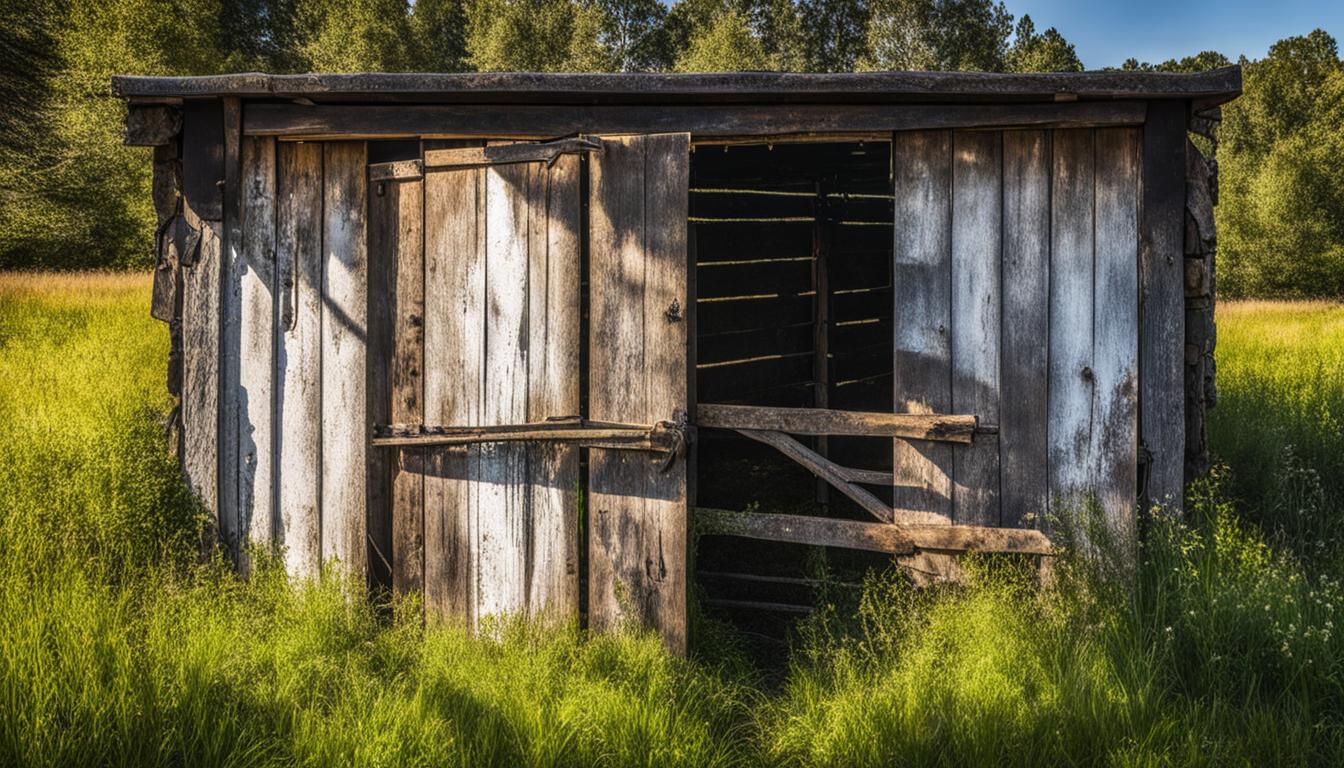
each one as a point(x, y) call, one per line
point(1107, 33)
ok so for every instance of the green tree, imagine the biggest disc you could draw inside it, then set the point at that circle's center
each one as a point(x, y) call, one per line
point(1045, 52)
point(355, 35)
point(440, 34)
point(635, 35)
point(537, 35)
point(726, 43)
point(1281, 209)
point(834, 33)
point(937, 35)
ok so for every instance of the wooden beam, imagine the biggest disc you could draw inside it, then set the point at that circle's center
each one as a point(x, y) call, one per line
point(821, 421)
point(503, 154)
point(595, 434)
point(824, 468)
point(539, 122)
point(872, 537)
point(797, 529)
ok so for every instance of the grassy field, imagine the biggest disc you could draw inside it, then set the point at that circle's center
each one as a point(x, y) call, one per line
point(119, 647)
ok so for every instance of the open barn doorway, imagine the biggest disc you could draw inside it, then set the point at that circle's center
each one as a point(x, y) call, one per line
point(792, 252)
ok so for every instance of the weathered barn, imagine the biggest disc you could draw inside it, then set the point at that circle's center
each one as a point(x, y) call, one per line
point(506, 338)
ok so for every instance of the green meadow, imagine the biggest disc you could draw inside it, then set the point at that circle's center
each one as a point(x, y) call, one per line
point(121, 645)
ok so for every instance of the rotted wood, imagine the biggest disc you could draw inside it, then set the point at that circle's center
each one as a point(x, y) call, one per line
point(822, 421)
point(871, 537)
point(594, 434)
point(823, 468)
point(151, 125)
point(504, 154)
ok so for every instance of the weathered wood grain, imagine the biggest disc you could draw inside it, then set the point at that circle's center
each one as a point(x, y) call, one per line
point(798, 529)
point(638, 199)
point(345, 425)
point(922, 318)
point(256, 336)
point(1071, 377)
point(1023, 418)
point(501, 521)
point(821, 421)
point(554, 338)
point(454, 348)
point(298, 364)
point(200, 365)
point(231, 524)
point(1162, 348)
point(977, 306)
point(1115, 354)
point(403, 248)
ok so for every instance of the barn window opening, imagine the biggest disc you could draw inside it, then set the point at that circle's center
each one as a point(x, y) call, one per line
point(792, 252)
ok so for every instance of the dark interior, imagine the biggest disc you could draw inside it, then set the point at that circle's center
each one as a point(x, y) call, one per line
point(792, 248)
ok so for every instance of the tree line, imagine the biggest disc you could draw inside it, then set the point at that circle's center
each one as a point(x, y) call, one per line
point(72, 197)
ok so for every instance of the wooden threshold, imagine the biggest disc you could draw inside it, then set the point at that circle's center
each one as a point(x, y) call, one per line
point(872, 537)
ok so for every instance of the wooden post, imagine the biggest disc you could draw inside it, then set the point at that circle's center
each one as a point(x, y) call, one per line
point(821, 319)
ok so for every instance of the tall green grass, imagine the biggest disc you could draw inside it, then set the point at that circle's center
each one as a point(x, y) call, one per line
point(120, 646)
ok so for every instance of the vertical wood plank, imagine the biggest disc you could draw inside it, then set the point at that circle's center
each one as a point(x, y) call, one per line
point(345, 424)
point(501, 524)
point(922, 308)
point(454, 348)
point(1023, 420)
point(230, 312)
point(977, 184)
point(401, 243)
point(1161, 351)
point(1114, 446)
point(553, 384)
point(255, 394)
point(1071, 378)
point(639, 193)
point(298, 332)
point(200, 365)
point(396, 306)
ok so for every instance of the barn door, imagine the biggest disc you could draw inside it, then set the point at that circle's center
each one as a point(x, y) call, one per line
point(638, 374)
point(1016, 300)
point(483, 256)
point(486, 332)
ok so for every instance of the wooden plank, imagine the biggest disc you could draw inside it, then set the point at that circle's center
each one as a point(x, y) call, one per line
point(501, 515)
point(1115, 354)
point(500, 154)
point(542, 122)
point(1071, 378)
point(822, 236)
point(298, 420)
point(554, 329)
point(977, 306)
point(345, 422)
point(1023, 417)
point(797, 529)
point(200, 365)
point(454, 319)
point(231, 528)
point(406, 254)
point(1162, 349)
point(255, 273)
point(872, 537)
point(820, 421)
point(922, 318)
point(826, 470)
point(638, 273)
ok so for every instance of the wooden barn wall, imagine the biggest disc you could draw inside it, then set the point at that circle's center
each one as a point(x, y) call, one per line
point(1016, 299)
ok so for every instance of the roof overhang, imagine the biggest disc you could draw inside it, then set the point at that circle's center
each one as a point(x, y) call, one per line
point(1206, 88)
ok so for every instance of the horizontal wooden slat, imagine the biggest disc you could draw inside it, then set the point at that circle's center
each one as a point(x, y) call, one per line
point(749, 314)
point(397, 169)
point(502, 154)
point(733, 381)
point(821, 421)
point(740, 241)
point(872, 537)
point(861, 269)
point(507, 121)
point(823, 468)
point(861, 305)
point(782, 340)
point(753, 278)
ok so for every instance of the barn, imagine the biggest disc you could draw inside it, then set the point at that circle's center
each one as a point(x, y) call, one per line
point(523, 342)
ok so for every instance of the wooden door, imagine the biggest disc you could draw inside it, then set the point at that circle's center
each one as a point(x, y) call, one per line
point(1016, 300)
point(482, 264)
